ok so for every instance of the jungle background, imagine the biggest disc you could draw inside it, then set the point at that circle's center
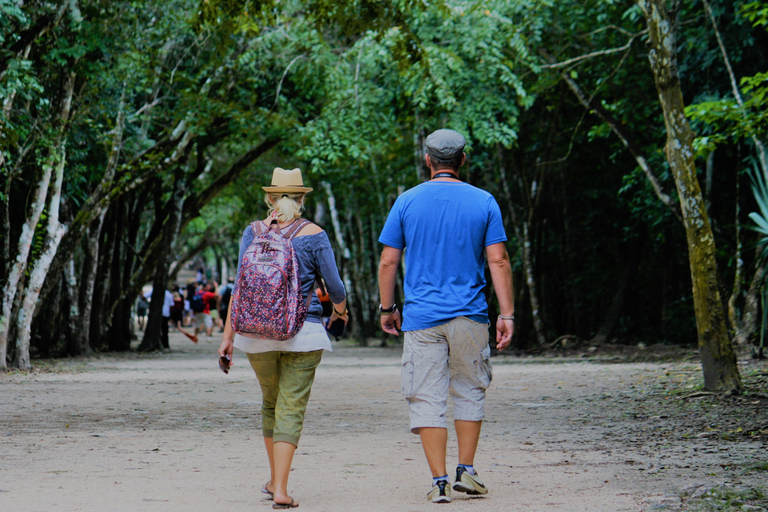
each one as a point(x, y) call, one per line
point(135, 137)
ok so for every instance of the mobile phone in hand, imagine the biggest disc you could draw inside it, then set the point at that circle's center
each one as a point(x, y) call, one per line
point(335, 329)
point(224, 363)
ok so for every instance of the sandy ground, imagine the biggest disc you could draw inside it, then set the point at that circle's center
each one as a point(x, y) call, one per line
point(170, 432)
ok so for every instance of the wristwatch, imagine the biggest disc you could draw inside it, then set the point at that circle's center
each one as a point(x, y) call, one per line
point(387, 311)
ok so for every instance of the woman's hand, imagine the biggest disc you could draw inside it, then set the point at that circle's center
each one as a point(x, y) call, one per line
point(335, 316)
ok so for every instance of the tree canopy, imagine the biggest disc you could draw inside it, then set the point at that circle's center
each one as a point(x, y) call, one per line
point(160, 122)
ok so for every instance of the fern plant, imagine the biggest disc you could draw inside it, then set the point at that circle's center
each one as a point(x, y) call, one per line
point(760, 219)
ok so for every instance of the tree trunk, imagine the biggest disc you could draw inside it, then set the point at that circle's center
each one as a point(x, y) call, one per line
point(343, 248)
point(718, 359)
point(745, 325)
point(80, 341)
point(153, 331)
point(614, 311)
point(522, 234)
point(54, 232)
point(17, 267)
point(73, 315)
point(109, 191)
point(103, 276)
point(114, 327)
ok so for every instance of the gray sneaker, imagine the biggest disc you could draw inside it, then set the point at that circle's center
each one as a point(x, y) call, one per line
point(470, 484)
point(441, 492)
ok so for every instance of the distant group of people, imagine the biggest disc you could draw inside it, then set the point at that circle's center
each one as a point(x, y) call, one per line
point(451, 230)
point(200, 304)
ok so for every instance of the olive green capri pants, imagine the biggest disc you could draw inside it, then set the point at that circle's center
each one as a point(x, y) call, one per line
point(286, 379)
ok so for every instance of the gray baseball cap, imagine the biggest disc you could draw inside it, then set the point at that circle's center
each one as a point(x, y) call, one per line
point(445, 144)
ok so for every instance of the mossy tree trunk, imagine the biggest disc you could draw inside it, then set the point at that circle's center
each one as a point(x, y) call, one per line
point(718, 359)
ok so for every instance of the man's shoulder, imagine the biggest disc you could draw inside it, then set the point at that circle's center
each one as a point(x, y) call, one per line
point(461, 192)
point(459, 187)
point(472, 189)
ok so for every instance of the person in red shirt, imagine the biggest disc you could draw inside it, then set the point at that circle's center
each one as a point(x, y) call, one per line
point(203, 319)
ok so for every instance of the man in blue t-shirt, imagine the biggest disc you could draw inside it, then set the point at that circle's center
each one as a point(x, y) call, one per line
point(447, 230)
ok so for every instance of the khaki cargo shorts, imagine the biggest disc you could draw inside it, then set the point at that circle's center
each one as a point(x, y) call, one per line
point(450, 358)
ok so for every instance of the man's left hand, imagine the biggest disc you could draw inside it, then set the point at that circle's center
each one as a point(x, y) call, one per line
point(504, 331)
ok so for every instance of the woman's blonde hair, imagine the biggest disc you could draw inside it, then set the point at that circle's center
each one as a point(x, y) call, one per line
point(287, 205)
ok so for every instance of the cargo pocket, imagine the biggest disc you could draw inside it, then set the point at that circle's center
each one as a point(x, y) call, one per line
point(486, 370)
point(406, 378)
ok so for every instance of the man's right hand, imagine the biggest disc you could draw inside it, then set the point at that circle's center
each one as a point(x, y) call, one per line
point(391, 323)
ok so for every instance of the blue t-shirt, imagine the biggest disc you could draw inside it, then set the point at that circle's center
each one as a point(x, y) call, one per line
point(444, 228)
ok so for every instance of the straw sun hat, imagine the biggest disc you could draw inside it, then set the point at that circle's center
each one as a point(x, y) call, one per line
point(287, 181)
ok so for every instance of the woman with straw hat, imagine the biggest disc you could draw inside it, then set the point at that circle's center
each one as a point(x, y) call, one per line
point(286, 369)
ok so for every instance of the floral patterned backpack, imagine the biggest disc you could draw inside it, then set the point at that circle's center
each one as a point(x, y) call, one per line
point(267, 300)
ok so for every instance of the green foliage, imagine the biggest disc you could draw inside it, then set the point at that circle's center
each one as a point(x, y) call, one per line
point(760, 193)
point(756, 13)
point(726, 121)
point(726, 498)
point(11, 15)
point(730, 122)
point(352, 87)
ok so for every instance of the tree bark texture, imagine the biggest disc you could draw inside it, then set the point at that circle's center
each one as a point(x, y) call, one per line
point(718, 359)
point(339, 236)
point(54, 232)
point(80, 341)
point(522, 232)
point(18, 266)
point(153, 330)
point(745, 323)
point(109, 191)
point(73, 315)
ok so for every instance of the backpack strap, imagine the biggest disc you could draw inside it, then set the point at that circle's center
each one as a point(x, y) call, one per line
point(294, 228)
point(290, 233)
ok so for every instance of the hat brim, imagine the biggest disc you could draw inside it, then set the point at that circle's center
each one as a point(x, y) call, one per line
point(290, 190)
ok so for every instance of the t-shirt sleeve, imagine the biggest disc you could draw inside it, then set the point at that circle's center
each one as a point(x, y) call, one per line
point(494, 233)
point(392, 234)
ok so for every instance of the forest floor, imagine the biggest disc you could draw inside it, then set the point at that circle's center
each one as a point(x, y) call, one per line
point(615, 429)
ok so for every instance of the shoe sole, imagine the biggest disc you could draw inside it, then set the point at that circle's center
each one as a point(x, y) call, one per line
point(461, 487)
point(441, 499)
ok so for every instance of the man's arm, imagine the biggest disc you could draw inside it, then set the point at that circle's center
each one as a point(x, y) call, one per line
point(501, 275)
point(390, 260)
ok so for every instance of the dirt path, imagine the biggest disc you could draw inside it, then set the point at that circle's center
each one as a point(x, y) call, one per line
point(170, 432)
